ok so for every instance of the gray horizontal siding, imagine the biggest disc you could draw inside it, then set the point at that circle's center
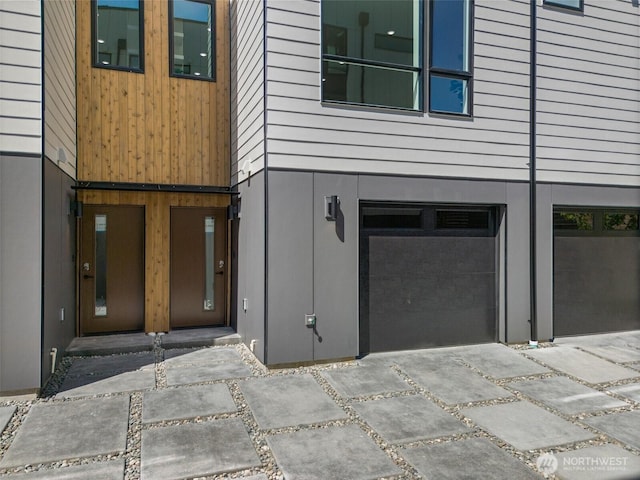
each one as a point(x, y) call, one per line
point(60, 91)
point(247, 95)
point(302, 133)
point(20, 77)
point(588, 101)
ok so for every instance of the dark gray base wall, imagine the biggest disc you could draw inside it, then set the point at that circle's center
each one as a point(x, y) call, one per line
point(248, 255)
point(313, 263)
point(20, 272)
point(554, 196)
point(59, 312)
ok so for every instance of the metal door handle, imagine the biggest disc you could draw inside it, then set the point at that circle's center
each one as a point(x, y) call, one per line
point(220, 272)
point(88, 276)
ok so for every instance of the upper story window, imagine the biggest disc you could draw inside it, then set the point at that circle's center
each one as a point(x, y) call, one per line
point(371, 52)
point(450, 57)
point(118, 34)
point(571, 4)
point(192, 39)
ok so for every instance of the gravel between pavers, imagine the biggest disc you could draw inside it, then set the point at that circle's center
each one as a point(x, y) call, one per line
point(269, 467)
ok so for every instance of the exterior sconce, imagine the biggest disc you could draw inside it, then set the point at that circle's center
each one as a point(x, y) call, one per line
point(331, 206)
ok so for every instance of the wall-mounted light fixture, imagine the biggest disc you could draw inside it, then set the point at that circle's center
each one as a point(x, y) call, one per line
point(331, 206)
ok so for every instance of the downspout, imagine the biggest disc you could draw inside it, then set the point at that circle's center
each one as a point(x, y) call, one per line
point(533, 293)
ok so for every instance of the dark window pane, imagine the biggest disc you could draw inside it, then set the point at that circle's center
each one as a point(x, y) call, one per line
point(392, 218)
point(467, 219)
point(193, 46)
point(573, 221)
point(357, 22)
point(117, 35)
point(448, 94)
point(621, 221)
point(450, 35)
point(368, 46)
point(573, 4)
point(355, 83)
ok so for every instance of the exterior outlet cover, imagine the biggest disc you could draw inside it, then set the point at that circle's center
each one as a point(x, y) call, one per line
point(310, 320)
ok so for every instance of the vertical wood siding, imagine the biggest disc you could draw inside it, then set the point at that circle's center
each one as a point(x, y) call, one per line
point(60, 88)
point(247, 97)
point(588, 84)
point(20, 77)
point(589, 94)
point(151, 127)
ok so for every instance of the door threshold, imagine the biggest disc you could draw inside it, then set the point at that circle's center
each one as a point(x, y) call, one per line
point(141, 342)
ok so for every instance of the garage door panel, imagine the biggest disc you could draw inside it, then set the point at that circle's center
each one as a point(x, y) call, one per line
point(596, 280)
point(428, 288)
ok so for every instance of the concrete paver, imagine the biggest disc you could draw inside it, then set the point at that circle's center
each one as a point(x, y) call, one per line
point(631, 391)
point(582, 365)
point(624, 427)
point(499, 361)
point(330, 453)
point(408, 418)
point(186, 375)
point(187, 402)
point(69, 430)
point(452, 382)
point(5, 415)
point(614, 353)
point(526, 426)
point(181, 357)
point(201, 337)
point(470, 458)
point(365, 381)
point(289, 400)
point(566, 395)
point(196, 449)
point(111, 470)
point(100, 384)
point(605, 462)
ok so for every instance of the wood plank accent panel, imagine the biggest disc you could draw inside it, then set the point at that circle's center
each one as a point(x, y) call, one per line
point(157, 247)
point(151, 127)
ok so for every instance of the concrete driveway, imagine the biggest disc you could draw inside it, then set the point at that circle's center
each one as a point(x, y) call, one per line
point(567, 410)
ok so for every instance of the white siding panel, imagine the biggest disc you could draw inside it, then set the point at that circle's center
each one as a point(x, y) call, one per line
point(60, 74)
point(17, 108)
point(20, 91)
point(16, 39)
point(27, 75)
point(588, 97)
point(20, 144)
point(20, 77)
point(18, 20)
point(247, 126)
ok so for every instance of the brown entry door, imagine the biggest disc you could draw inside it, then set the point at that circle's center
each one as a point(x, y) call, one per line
point(198, 269)
point(112, 269)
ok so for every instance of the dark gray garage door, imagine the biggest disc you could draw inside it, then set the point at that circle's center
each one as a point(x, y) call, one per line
point(596, 271)
point(427, 276)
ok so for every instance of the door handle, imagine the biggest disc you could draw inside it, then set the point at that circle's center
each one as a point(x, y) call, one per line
point(221, 272)
point(85, 276)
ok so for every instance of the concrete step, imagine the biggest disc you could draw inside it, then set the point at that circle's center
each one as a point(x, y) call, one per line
point(141, 342)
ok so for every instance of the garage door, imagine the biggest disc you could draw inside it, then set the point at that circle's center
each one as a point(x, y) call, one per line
point(427, 276)
point(596, 271)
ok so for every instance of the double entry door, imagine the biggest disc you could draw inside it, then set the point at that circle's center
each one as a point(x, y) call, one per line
point(112, 268)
